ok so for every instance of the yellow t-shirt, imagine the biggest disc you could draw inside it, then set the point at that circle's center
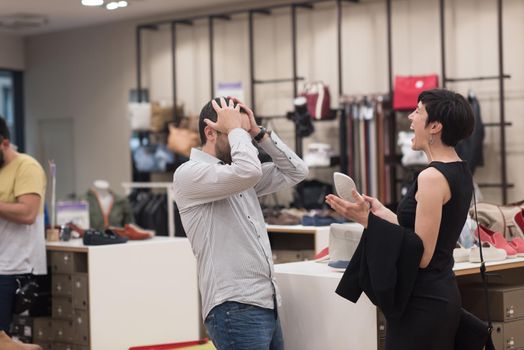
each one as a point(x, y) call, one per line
point(22, 247)
point(23, 175)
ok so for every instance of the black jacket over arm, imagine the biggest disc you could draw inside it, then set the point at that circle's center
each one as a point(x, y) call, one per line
point(384, 266)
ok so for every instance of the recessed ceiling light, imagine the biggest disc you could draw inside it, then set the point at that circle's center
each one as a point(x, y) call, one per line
point(112, 6)
point(92, 2)
point(122, 3)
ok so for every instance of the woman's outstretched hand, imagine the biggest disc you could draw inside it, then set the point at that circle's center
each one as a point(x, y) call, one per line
point(358, 211)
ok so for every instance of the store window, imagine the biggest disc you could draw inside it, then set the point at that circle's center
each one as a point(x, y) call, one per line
point(11, 105)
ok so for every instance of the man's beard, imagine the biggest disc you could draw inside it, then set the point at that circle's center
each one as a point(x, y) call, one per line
point(223, 154)
point(2, 158)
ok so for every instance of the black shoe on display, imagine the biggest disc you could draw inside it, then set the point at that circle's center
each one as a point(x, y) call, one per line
point(95, 237)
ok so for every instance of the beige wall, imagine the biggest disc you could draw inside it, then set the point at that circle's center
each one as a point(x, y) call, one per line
point(84, 75)
point(92, 69)
point(12, 55)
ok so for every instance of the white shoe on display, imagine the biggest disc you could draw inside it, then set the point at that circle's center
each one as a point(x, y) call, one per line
point(489, 252)
point(461, 254)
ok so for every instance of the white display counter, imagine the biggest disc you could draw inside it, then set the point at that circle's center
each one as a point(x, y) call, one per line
point(314, 317)
point(140, 292)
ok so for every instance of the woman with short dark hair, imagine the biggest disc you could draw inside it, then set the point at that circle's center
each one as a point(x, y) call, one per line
point(435, 208)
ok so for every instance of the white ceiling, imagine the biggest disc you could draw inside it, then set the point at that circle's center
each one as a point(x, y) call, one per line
point(66, 14)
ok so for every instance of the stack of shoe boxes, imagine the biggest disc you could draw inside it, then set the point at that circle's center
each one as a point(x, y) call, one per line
point(68, 328)
point(506, 307)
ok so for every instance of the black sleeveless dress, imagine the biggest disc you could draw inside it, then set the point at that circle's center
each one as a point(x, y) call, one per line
point(433, 312)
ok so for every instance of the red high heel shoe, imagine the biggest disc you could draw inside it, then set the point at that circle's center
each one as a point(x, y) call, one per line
point(496, 239)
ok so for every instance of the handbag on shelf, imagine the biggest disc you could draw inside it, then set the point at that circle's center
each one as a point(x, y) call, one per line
point(180, 141)
point(473, 333)
point(407, 89)
point(318, 100)
point(500, 218)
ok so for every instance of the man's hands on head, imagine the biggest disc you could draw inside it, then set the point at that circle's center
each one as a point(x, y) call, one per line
point(253, 128)
point(229, 116)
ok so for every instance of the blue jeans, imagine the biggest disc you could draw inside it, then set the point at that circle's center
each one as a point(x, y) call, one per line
point(236, 326)
point(8, 286)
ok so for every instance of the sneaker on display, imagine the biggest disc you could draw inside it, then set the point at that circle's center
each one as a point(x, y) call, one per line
point(461, 254)
point(495, 239)
point(489, 253)
point(95, 237)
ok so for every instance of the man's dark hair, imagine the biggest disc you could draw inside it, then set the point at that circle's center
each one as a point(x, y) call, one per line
point(208, 112)
point(4, 130)
point(452, 111)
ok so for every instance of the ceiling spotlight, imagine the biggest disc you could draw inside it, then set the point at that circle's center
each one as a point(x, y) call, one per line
point(112, 6)
point(92, 2)
point(122, 3)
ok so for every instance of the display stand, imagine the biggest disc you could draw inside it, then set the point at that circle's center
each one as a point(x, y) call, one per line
point(168, 186)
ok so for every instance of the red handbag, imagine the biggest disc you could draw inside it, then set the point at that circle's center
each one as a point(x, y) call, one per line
point(318, 100)
point(407, 89)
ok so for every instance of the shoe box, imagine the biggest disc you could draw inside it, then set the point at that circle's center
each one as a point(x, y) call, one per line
point(68, 326)
point(508, 335)
point(42, 330)
point(506, 306)
point(506, 302)
point(68, 262)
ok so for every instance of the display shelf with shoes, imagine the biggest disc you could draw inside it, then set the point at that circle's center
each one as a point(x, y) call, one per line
point(172, 225)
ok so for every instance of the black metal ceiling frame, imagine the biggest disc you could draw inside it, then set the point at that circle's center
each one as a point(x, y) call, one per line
point(502, 124)
point(504, 185)
point(267, 10)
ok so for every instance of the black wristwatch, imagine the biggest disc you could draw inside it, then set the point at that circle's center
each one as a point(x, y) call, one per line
point(260, 134)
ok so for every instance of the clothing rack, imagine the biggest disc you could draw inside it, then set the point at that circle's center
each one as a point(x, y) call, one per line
point(168, 186)
point(365, 137)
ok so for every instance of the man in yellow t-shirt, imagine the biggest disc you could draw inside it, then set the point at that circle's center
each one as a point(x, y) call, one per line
point(22, 241)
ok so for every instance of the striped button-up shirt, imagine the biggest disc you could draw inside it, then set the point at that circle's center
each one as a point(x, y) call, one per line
point(223, 220)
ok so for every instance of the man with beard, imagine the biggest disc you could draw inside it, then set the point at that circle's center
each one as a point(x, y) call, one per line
point(22, 241)
point(217, 193)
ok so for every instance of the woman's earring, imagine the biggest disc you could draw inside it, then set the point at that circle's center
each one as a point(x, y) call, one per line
point(431, 139)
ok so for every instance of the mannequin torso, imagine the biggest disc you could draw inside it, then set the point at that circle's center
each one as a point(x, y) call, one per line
point(104, 196)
